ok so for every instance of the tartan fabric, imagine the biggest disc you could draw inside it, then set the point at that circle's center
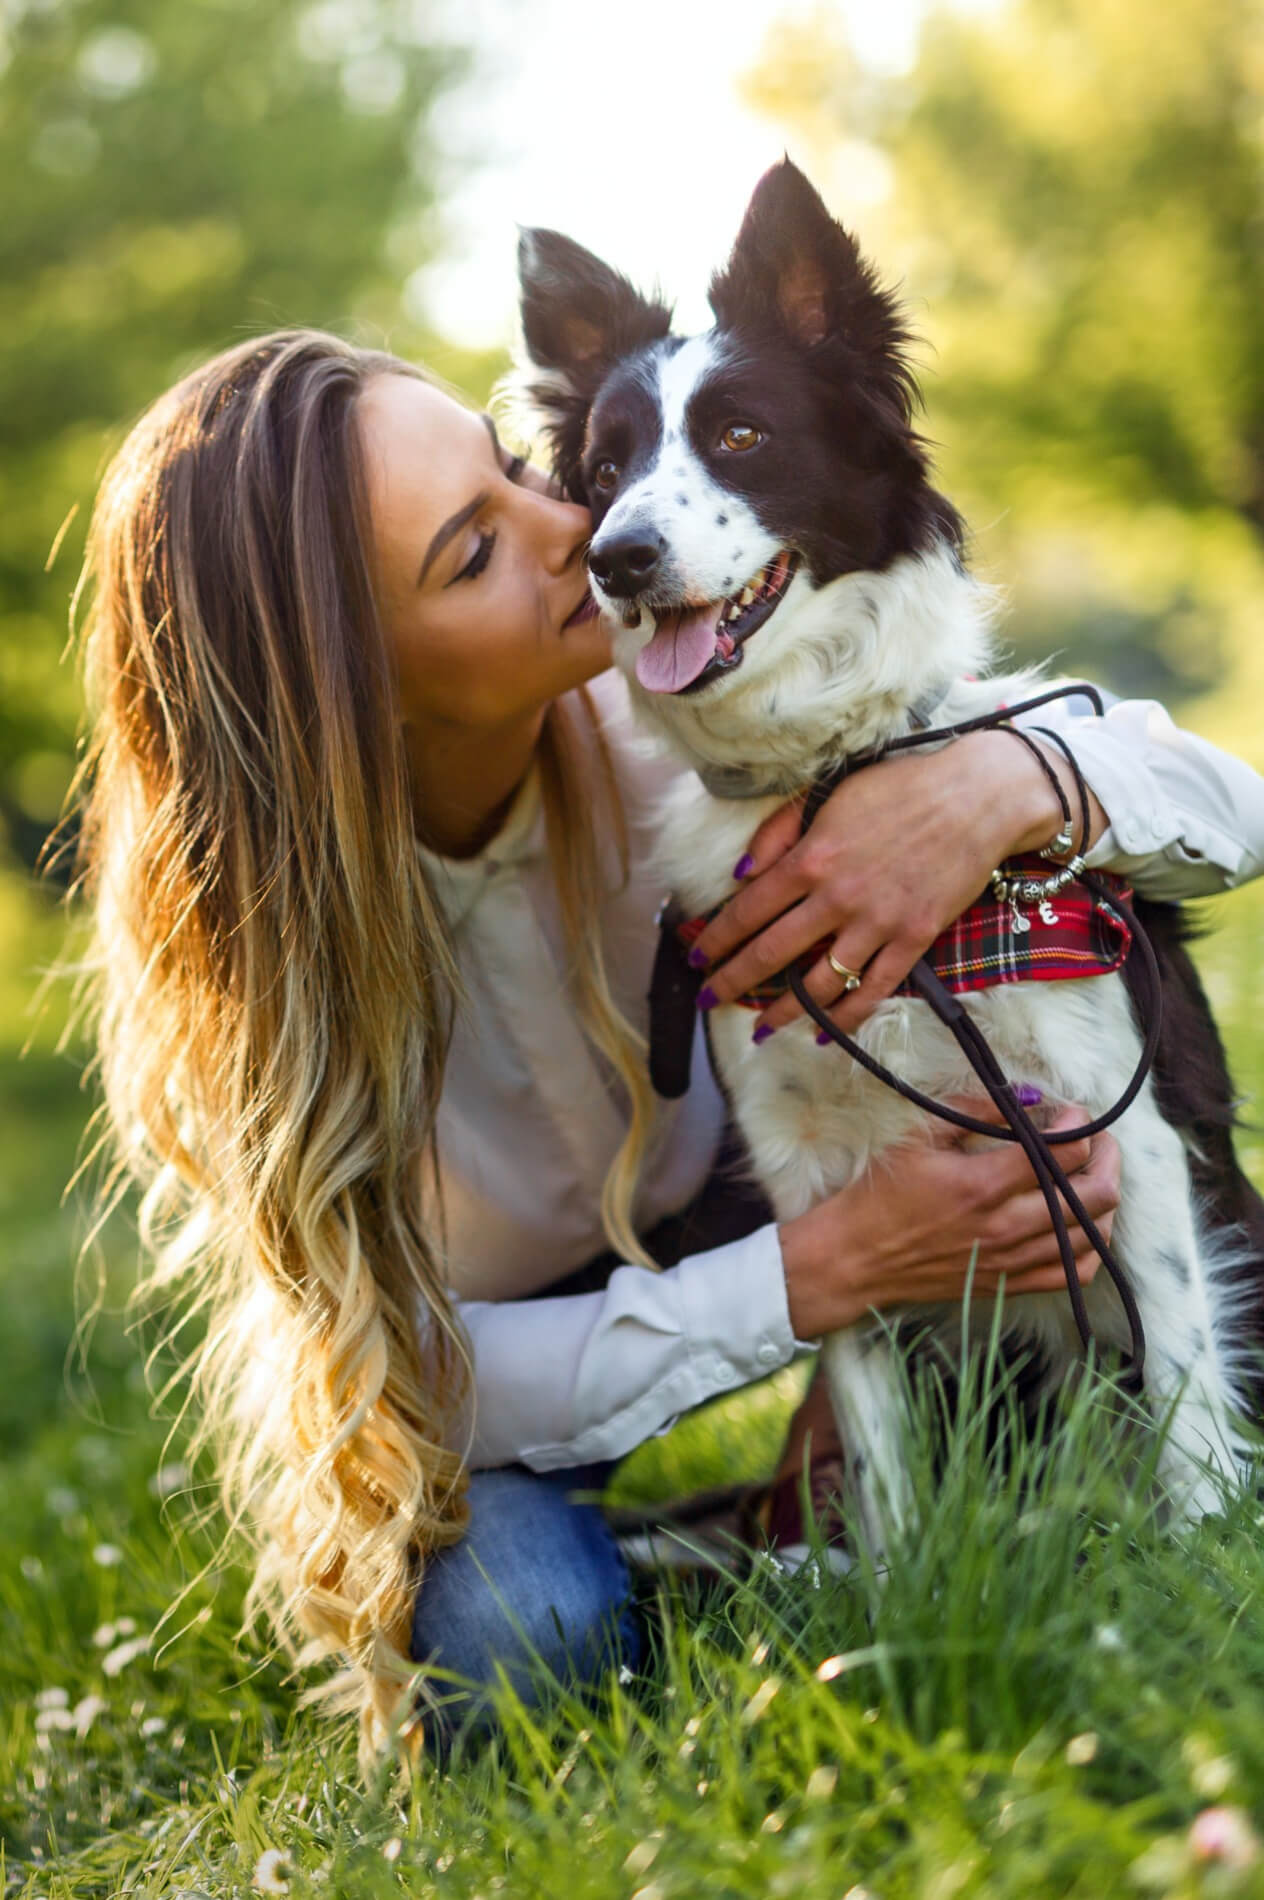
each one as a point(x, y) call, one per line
point(1074, 934)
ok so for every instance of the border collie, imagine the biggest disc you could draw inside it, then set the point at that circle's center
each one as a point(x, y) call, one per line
point(786, 588)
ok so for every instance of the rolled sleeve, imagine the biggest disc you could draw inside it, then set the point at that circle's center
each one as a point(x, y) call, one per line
point(1185, 819)
point(586, 1377)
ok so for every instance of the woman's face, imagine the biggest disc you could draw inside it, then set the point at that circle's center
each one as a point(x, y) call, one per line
point(480, 574)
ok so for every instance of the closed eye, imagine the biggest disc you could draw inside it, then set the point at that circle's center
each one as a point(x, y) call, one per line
point(477, 561)
point(513, 471)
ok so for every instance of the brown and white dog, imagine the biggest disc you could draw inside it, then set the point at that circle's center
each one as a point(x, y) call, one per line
point(786, 586)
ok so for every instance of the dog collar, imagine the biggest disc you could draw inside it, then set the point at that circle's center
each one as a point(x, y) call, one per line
point(752, 781)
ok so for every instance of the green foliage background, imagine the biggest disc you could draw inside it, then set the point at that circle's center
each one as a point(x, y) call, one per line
point(172, 178)
point(1076, 208)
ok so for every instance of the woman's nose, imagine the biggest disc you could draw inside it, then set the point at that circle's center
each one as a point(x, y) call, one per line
point(562, 528)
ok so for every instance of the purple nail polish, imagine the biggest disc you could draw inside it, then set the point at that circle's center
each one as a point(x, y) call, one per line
point(697, 959)
point(763, 1032)
point(707, 998)
point(823, 1039)
point(1027, 1096)
point(744, 866)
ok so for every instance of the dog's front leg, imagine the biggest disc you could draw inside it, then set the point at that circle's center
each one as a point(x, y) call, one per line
point(867, 1395)
point(1188, 1377)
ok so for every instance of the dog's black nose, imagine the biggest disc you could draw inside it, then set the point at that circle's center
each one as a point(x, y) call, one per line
point(626, 563)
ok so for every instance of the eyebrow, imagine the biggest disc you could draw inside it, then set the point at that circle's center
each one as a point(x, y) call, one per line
point(454, 524)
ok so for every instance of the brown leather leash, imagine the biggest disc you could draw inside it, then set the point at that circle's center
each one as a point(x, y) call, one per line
point(674, 988)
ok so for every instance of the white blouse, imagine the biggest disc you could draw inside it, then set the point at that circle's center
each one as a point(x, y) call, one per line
point(530, 1117)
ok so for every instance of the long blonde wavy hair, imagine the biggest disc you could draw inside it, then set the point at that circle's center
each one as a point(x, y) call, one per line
point(273, 988)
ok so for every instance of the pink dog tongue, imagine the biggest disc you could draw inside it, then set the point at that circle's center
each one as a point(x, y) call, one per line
point(681, 647)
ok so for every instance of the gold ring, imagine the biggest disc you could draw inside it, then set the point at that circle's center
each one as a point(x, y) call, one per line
point(851, 978)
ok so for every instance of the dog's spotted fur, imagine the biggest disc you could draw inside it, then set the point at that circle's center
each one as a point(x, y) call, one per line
point(880, 616)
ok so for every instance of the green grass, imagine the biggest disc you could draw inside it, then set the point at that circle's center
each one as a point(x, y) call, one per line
point(1043, 1697)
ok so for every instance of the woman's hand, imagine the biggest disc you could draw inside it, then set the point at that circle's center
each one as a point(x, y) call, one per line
point(910, 1228)
point(893, 856)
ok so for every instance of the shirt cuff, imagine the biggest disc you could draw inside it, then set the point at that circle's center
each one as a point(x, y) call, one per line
point(615, 1368)
point(744, 1281)
point(1180, 813)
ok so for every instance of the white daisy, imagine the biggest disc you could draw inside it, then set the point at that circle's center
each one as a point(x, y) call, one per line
point(271, 1874)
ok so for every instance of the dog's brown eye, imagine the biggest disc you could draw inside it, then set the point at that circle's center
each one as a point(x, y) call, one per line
point(739, 436)
point(605, 475)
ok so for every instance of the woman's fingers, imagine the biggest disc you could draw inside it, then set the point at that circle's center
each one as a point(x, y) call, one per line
point(881, 972)
point(761, 898)
point(778, 833)
point(989, 1278)
point(1018, 1210)
point(1106, 1167)
point(997, 1180)
point(981, 1107)
point(1019, 1237)
point(767, 954)
point(823, 982)
point(1052, 1279)
point(882, 976)
point(1041, 1249)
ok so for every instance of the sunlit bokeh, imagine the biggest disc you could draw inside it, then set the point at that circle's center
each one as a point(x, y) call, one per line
point(634, 131)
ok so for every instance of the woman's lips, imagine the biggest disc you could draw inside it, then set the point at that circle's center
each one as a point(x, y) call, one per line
point(586, 610)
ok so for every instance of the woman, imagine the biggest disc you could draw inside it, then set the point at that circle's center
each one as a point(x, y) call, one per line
point(370, 861)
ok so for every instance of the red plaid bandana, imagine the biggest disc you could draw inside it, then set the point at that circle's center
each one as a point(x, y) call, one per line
point(1075, 934)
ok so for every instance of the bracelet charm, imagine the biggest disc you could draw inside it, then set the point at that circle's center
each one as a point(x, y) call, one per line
point(1016, 889)
point(1059, 846)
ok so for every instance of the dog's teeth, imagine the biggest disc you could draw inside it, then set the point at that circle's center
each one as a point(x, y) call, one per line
point(748, 595)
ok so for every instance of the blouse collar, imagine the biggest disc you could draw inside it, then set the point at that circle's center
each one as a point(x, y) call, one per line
point(458, 882)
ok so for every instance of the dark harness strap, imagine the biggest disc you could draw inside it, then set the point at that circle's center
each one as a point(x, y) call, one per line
point(674, 989)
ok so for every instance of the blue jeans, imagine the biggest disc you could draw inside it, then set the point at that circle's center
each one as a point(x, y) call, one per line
point(537, 1588)
point(537, 1576)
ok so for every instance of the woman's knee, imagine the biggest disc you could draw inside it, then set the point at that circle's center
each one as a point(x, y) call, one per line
point(537, 1590)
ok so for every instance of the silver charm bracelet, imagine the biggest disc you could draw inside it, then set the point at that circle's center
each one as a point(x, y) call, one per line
point(1012, 888)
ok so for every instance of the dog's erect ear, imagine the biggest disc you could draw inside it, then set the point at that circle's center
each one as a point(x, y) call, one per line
point(578, 315)
point(794, 269)
point(578, 318)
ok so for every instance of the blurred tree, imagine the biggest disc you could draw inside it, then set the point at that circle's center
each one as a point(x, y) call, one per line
point(1078, 201)
point(1097, 167)
point(175, 174)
